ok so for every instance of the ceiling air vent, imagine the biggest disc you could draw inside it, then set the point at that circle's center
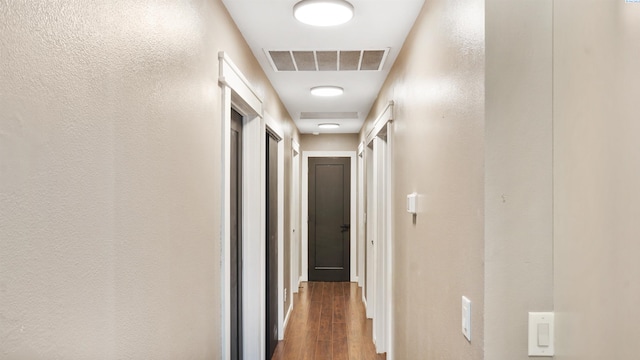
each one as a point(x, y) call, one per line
point(316, 60)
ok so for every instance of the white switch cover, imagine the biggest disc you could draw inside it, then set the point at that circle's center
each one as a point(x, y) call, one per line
point(541, 334)
point(412, 203)
point(466, 317)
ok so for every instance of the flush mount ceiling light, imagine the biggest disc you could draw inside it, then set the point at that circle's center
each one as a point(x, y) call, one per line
point(329, 126)
point(327, 91)
point(323, 12)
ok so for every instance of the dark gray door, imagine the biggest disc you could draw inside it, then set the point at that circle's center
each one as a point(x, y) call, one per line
point(272, 245)
point(236, 235)
point(329, 218)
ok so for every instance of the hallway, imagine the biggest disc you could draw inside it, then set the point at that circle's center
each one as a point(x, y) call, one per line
point(510, 128)
point(328, 322)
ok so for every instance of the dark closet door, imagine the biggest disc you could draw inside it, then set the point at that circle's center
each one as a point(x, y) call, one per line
point(236, 235)
point(272, 245)
point(329, 218)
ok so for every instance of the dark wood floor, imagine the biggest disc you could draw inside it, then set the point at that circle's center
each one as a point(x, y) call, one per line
point(328, 322)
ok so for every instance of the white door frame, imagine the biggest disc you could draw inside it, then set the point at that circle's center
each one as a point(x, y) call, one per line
point(370, 283)
point(305, 209)
point(361, 219)
point(380, 139)
point(275, 129)
point(237, 91)
point(295, 218)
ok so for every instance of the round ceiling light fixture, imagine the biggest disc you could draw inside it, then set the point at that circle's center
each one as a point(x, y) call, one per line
point(327, 91)
point(329, 126)
point(323, 12)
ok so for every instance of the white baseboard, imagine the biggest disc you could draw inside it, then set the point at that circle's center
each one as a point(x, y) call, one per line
point(286, 322)
point(366, 307)
point(296, 286)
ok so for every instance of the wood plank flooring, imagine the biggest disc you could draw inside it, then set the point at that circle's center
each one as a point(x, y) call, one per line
point(328, 322)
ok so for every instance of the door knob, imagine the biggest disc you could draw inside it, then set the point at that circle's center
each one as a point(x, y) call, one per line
point(344, 227)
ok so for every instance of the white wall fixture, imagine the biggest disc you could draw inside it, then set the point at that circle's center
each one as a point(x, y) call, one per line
point(541, 332)
point(412, 203)
point(466, 317)
point(323, 12)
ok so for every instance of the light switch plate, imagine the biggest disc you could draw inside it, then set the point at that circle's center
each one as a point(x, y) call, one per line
point(466, 317)
point(541, 326)
point(412, 203)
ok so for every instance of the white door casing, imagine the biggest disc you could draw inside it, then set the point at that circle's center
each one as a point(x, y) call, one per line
point(295, 216)
point(370, 282)
point(237, 91)
point(305, 209)
point(361, 241)
point(272, 126)
point(380, 140)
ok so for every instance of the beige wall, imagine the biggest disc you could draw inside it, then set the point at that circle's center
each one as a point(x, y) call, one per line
point(110, 177)
point(597, 172)
point(437, 84)
point(329, 142)
point(518, 172)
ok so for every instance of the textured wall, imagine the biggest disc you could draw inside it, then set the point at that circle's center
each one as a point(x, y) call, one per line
point(329, 142)
point(518, 172)
point(596, 177)
point(437, 84)
point(110, 177)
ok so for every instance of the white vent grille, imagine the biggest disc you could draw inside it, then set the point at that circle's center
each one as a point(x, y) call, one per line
point(316, 60)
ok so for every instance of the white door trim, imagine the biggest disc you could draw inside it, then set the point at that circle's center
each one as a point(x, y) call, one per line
point(305, 209)
point(370, 281)
point(361, 241)
point(295, 218)
point(380, 139)
point(236, 90)
point(275, 129)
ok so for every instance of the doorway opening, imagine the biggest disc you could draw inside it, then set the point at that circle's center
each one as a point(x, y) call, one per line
point(306, 155)
point(329, 219)
point(238, 94)
point(271, 243)
point(235, 247)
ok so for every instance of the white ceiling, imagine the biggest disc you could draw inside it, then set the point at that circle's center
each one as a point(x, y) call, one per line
point(377, 24)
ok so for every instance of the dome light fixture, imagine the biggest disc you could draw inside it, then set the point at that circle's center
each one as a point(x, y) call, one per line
point(323, 12)
point(327, 91)
point(329, 126)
